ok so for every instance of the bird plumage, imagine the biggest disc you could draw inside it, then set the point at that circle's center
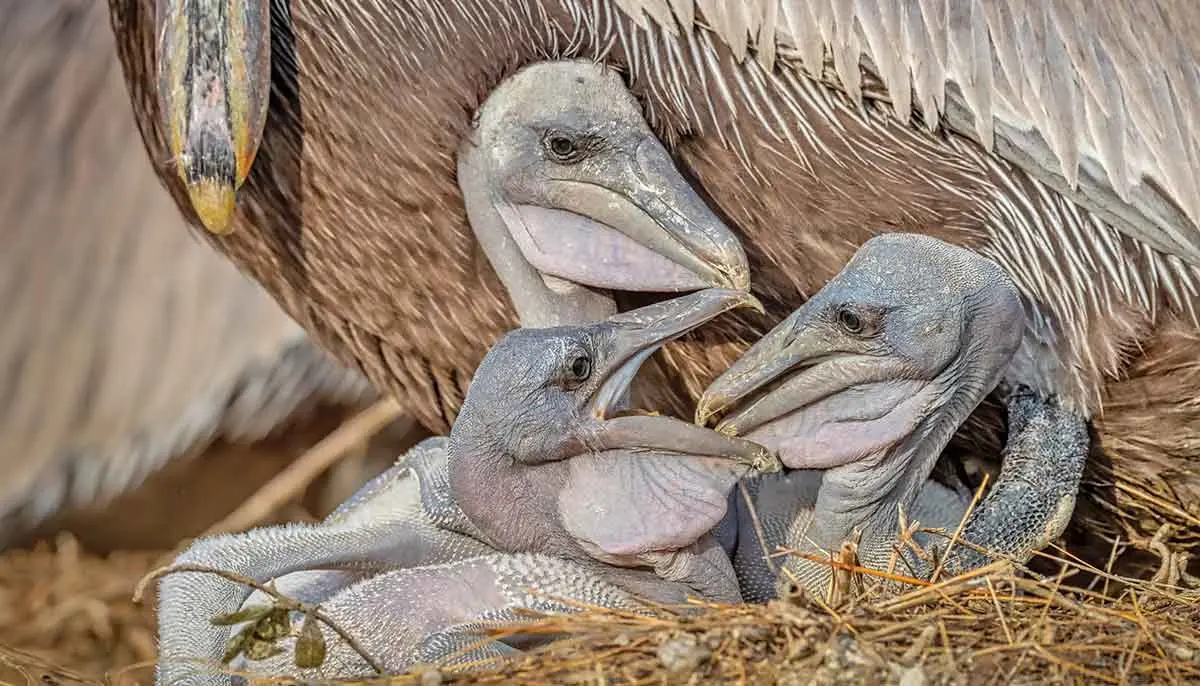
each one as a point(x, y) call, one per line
point(351, 218)
point(126, 341)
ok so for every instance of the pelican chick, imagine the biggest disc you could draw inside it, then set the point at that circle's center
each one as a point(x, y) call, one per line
point(570, 194)
point(536, 468)
point(862, 387)
point(541, 462)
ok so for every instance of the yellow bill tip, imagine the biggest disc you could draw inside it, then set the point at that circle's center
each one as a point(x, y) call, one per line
point(215, 203)
point(755, 304)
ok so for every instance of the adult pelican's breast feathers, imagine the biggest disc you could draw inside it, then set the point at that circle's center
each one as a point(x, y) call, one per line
point(1063, 147)
point(1099, 101)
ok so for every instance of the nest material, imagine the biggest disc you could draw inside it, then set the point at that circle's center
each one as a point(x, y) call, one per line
point(68, 617)
point(1145, 466)
point(990, 626)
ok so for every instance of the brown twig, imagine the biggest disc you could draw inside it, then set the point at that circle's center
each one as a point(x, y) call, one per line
point(758, 528)
point(292, 481)
point(283, 601)
point(962, 523)
point(836, 564)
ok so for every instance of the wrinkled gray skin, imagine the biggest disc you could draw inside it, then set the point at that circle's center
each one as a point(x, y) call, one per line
point(534, 464)
point(571, 195)
point(860, 389)
point(642, 493)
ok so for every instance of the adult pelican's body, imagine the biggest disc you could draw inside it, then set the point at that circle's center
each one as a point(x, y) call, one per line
point(126, 342)
point(1071, 161)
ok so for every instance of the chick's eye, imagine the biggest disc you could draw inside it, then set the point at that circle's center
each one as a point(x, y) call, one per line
point(581, 368)
point(850, 322)
point(561, 147)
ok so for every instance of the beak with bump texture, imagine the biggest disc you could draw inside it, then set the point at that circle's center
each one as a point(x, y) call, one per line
point(638, 334)
point(812, 365)
point(214, 79)
point(628, 222)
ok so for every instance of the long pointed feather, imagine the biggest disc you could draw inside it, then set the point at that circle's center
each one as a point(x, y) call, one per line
point(1110, 87)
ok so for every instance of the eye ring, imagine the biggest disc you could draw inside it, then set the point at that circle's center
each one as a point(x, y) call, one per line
point(562, 148)
point(850, 322)
point(581, 368)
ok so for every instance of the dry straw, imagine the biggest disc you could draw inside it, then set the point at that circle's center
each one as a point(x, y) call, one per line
point(994, 626)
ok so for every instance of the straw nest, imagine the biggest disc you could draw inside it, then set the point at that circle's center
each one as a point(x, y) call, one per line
point(1106, 612)
point(68, 618)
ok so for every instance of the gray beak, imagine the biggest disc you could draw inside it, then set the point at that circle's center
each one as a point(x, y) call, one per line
point(814, 365)
point(214, 78)
point(637, 334)
point(788, 346)
point(646, 198)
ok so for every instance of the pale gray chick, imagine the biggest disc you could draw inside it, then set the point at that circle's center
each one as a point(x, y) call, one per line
point(437, 614)
point(859, 391)
point(537, 464)
point(539, 461)
point(571, 196)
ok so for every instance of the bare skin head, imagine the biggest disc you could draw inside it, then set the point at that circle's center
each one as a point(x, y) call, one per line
point(874, 373)
point(540, 462)
point(571, 194)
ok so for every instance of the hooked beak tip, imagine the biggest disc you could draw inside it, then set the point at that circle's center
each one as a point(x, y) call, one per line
point(747, 299)
point(739, 279)
point(727, 428)
point(215, 204)
point(754, 303)
point(707, 408)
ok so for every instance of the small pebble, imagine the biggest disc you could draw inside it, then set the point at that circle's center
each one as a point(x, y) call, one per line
point(431, 677)
point(682, 654)
point(913, 676)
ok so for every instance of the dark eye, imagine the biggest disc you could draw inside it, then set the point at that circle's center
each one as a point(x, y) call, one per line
point(850, 322)
point(562, 147)
point(581, 368)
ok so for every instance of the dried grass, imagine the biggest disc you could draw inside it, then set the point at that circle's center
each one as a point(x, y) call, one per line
point(997, 627)
point(67, 617)
point(62, 609)
point(65, 608)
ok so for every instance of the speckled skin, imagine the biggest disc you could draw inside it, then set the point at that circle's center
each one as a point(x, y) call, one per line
point(398, 520)
point(934, 323)
point(463, 533)
point(1034, 496)
point(428, 614)
point(784, 505)
point(1027, 508)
